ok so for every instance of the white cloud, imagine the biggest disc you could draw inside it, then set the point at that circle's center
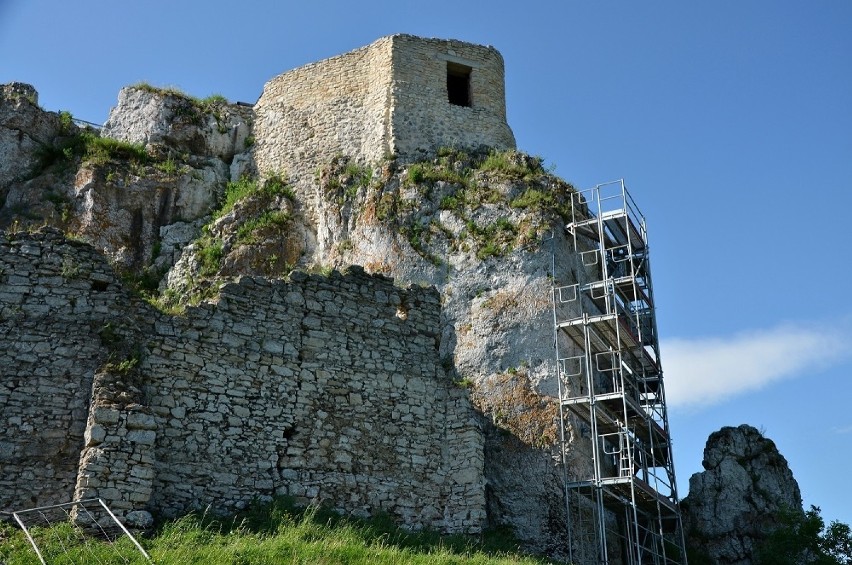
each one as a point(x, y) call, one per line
point(843, 430)
point(705, 371)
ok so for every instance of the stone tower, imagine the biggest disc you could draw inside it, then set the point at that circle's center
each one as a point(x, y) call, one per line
point(401, 95)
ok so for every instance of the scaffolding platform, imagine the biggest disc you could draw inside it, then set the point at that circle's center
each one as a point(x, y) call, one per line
point(611, 381)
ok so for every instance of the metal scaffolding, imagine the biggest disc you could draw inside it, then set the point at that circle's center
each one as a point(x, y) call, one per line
point(621, 500)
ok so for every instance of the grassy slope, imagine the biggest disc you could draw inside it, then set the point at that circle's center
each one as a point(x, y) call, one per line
point(273, 534)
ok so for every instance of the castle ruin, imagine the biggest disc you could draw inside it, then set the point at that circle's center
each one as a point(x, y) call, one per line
point(340, 389)
point(401, 95)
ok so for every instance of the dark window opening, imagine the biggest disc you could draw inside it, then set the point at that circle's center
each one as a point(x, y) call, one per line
point(458, 84)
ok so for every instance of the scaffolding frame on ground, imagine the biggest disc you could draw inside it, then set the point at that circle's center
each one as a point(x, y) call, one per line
point(88, 520)
point(624, 504)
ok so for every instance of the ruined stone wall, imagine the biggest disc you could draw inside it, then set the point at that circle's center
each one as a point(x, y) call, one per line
point(323, 388)
point(423, 120)
point(336, 106)
point(58, 302)
point(389, 97)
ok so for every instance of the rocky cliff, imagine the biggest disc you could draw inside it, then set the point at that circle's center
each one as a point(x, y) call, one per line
point(738, 499)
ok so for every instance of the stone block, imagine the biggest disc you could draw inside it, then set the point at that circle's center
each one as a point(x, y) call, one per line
point(141, 421)
point(143, 437)
point(104, 415)
point(94, 435)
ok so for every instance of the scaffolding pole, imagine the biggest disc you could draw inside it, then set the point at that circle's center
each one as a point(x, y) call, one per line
point(610, 386)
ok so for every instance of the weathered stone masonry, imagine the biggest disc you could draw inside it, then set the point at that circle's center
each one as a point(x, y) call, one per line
point(56, 296)
point(390, 97)
point(324, 388)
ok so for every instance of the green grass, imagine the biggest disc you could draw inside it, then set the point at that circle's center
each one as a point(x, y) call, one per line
point(419, 173)
point(360, 175)
point(248, 232)
point(535, 199)
point(210, 254)
point(100, 150)
point(245, 187)
point(202, 103)
point(234, 192)
point(168, 166)
point(279, 533)
point(91, 148)
point(165, 91)
point(495, 239)
point(513, 164)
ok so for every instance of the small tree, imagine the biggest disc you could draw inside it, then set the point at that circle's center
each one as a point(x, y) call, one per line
point(803, 539)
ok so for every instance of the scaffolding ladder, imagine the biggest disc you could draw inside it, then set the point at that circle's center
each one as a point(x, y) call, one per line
point(623, 501)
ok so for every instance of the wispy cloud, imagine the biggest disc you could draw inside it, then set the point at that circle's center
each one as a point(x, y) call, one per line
point(843, 430)
point(705, 371)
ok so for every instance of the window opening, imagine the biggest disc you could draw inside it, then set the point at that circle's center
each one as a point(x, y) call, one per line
point(458, 84)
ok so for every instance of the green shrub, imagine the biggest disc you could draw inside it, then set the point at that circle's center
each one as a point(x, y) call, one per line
point(210, 255)
point(464, 383)
point(213, 99)
point(490, 249)
point(386, 206)
point(360, 175)
point(168, 166)
point(247, 233)
point(66, 122)
point(100, 150)
point(451, 203)
point(93, 149)
point(538, 200)
point(416, 173)
point(165, 91)
point(276, 185)
point(533, 198)
point(234, 192)
point(512, 164)
point(804, 538)
point(246, 186)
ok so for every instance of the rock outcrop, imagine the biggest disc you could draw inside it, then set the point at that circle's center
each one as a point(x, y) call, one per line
point(137, 189)
point(150, 116)
point(476, 225)
point(736, 501)
point(24, 130)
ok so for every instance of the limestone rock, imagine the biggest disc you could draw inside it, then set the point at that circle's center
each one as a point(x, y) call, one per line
point(735, 502)
point(117, 203)
point(151, 116)
point(174, 238)
point(24, 129)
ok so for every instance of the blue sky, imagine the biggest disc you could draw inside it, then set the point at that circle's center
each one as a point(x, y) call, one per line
point(731, 122)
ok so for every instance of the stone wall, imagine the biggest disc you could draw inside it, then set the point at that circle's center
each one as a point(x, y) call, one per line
point(336, 106)
point(422, 119)
point(328, 389)
point(389, 97)
point(57, 299)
